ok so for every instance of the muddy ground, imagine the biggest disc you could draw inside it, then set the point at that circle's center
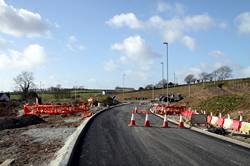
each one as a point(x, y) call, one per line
point(37, 144)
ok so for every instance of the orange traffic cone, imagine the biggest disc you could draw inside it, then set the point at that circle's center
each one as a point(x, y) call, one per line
point(146, 122)
point(181, 124)
point(165, 122)
point(135, 110)
point(132, 120)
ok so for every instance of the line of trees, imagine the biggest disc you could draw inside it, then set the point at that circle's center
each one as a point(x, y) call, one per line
point(160, 84)
point(25, 84)
point(219, 74)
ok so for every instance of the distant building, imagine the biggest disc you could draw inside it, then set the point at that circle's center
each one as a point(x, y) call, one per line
point(120, 89)
point(4, 97)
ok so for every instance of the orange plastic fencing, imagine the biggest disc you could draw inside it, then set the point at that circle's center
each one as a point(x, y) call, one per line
point(169, 110)
point(187, 113)
point(36, 109)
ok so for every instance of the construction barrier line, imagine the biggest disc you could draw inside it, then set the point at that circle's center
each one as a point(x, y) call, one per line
point(245, 128)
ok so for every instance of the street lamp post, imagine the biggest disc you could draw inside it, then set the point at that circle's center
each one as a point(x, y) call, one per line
point(75, 90)
point(123, 80)
point(75, 93)
point(167, 67)
point(153, 92)
point(162, 77)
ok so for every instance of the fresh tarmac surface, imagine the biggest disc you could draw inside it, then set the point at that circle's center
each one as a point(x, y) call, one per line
point(110, 142)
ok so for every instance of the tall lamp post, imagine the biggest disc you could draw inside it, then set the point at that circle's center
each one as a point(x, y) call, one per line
point(162, 77)
point(153, 92)
point(167, 67)
point(123, 80)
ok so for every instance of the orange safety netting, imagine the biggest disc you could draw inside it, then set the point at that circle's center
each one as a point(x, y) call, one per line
point(37, 109)
point(170, 110)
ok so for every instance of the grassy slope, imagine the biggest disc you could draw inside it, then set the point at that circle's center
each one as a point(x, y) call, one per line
point(233, 96)
point(50, 97)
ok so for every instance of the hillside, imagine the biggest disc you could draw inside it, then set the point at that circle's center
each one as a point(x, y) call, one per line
point(229, 96)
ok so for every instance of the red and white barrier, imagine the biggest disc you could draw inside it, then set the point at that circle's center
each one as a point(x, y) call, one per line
point(209, 118)
point(228, 124)
point(245, 128)
point(217, 121)
point(220, 122)
point(214, 120)
point(236, 125)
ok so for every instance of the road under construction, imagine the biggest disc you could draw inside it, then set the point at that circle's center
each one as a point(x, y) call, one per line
point(108, 140)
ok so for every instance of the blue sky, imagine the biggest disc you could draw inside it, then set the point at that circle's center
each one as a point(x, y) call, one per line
point(92, 43)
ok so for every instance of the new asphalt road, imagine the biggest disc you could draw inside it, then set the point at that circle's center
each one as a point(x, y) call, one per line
point(109, 141)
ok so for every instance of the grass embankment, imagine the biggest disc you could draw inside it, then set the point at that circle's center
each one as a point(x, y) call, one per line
point(61, 97)
point(228, 96)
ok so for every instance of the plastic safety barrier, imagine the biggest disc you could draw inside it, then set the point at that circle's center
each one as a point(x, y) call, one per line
point(209, 118)
point(220, 122)
point(228, 124)
point(245, 128)
point(36, 109)
point(187, 113)
point(214, 120)
point(169, 110)
point(236, 125)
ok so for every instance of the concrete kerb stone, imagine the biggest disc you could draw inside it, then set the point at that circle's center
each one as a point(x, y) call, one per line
point(230, 140)
point(62, 156)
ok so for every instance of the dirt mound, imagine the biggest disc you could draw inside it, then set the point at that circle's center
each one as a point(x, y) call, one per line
point(8, 109)
point(10, 123)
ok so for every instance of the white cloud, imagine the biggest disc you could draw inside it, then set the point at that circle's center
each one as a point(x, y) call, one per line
point(182, 73)
point(31, 57)
point(216, 53)
point(217, 65)
point(92, 80)
point(135, 55)
point(245, 72)
point(176, 29)
point(125, 19)
point(110, 65)
point(172, 35)
point(197, 22)
point(4, 43)
point(74, 45)
point(176, 8)
point(189, 42)
point(243, 21)
point(223, 25)
point(135, 49)
point(163, 7)
point(21, 22)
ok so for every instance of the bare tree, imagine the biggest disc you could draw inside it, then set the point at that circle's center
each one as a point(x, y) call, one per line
point(224, 72)
point(24, 82)
point(210, 76)
point(193, 80)
point(188, 79)
point(204, 76)
point(162, 83)
point(150, 86)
